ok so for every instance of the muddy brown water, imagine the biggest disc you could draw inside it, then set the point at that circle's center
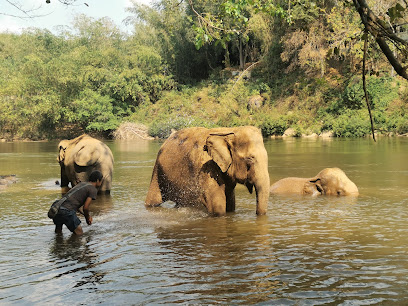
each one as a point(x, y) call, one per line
point(305, 251)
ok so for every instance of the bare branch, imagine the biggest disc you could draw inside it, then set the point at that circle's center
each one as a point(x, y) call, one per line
point(202, 20)
point(26, 13)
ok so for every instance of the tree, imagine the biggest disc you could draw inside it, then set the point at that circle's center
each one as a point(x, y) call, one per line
point(166, 28)
point(383, 31)
point(228, 21)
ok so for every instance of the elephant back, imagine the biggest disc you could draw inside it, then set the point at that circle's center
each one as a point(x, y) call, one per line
point(89, 151)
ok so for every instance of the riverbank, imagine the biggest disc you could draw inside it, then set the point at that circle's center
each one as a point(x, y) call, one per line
point(308, 108)
point(131, 134)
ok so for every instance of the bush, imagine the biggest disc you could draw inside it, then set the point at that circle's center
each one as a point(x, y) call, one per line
point(273, 126)
point(352, 124)
point(402, 126)
point(94, 112)
point(396, 124)
point(381, 91)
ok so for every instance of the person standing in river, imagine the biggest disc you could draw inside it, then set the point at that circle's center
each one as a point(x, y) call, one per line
point(80, 195)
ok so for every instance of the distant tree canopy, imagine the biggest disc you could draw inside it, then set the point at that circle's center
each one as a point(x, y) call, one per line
point(94, 76)
point(90, 78)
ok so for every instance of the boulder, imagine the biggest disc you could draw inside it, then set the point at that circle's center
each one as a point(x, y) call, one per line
point(255, 102)
point(327, 134)
point(290, 132)
point(6, 180)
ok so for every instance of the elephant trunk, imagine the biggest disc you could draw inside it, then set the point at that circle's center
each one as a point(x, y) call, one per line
point(262, 184)
point(262, 198)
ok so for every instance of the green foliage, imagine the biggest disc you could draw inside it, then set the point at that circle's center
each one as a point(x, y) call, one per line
point(232, 22)
point(93, 77)
point(93, 112)
point(171, 35)
point(304, 10)
point(89, 80)
point(352, 124)
point(273, 127)
point(381, 92)
point(395, 124)
point(396, 12)
point(163, 129)
point(401, 126)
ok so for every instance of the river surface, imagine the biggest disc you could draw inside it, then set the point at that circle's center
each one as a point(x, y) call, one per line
point(305, 251)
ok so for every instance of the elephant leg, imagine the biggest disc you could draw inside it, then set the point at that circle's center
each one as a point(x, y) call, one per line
point(64, 177)
point(230, 198)
point(82, 174)
point(216, 201)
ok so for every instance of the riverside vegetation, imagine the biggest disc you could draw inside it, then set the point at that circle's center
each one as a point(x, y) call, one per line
point(302, 69)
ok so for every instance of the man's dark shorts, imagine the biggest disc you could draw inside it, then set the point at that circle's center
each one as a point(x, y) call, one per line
point(67, 217)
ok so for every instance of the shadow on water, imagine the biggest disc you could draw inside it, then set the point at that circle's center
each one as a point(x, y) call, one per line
point(74, 255)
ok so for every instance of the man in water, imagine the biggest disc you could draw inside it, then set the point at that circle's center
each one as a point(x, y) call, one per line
point(83, 196)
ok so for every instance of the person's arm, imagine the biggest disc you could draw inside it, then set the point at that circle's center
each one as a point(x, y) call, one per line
point(86, 210)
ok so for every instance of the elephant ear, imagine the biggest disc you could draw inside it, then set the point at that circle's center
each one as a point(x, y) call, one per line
point(318, 185)
point(62, 146)
point(86, 156)
point(219, 150)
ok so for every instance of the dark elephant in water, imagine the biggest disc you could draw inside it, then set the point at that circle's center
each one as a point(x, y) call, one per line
point(80, 156)
point(201, 167)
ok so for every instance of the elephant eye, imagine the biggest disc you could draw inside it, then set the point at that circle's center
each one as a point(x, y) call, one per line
point(250, 161)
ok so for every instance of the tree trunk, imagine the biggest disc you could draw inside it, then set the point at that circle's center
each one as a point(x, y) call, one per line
point(241, 54)
point(227, 62)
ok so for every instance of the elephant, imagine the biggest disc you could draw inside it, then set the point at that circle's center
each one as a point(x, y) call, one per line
point(201, 167)
point(78, 157)
point(329, 181)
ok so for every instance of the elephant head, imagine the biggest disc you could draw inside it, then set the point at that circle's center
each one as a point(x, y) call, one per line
point(62, 146)
point(242, 156)
point(332, 181)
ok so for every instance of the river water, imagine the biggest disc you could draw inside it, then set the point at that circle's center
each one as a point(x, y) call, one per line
point(305, 251)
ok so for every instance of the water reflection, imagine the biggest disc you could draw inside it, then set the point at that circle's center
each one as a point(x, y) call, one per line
point(215, 254)
point(140, 146)
point(74, 256)
point(102, 204)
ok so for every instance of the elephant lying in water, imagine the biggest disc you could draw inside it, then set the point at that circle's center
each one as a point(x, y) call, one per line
point(199, 166)
point(80, 156)
point(329, 181)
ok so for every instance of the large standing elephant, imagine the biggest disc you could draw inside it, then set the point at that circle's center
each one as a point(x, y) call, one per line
point(199, 166)
point(329, 181)
point(80, 156)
